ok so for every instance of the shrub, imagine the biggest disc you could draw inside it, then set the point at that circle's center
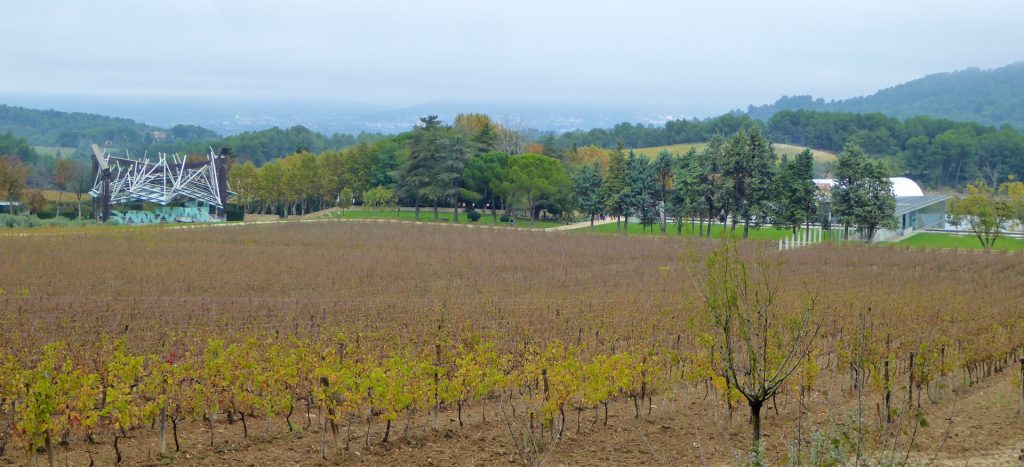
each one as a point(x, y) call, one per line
point(473, 216)
point(505, 218)
point(12, 221)
point(234, 213)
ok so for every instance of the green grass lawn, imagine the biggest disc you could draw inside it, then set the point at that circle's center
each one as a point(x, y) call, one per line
point(764, 233)
point(963, 242)
point(427, 215)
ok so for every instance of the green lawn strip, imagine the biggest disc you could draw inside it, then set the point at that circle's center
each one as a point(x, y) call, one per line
point(427, 215)
point(763, 233)
point(963, 242)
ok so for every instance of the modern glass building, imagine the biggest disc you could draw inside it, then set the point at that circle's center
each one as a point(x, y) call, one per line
point(915, 213)
point(914, 210)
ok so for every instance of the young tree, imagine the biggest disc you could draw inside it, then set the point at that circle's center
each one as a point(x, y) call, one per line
point(13, 177)
point(586, 190)
point(379, 197)
point(537, 178)
point(985, 212)
point(63, 177)
point(81, 183)
point(760, 342)
point(35, 201)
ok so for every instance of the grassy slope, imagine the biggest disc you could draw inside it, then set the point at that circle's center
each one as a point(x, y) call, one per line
point(963, 242)
point(780, 149)
point(53, 150)
point(764, 233)
point(52, 195)
point(427, 215)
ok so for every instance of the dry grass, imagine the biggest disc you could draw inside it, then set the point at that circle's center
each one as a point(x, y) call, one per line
point(788, 150)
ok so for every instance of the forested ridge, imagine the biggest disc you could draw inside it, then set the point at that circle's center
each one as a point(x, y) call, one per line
point(78, 130)
point(989, 97)
point(936, 152)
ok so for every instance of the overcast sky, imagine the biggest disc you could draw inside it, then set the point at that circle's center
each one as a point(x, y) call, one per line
point(702, 57)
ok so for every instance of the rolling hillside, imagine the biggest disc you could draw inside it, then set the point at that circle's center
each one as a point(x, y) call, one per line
point(788, 150)
point(990, 97)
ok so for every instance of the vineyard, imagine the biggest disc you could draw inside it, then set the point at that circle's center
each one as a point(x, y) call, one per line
point(357, 342)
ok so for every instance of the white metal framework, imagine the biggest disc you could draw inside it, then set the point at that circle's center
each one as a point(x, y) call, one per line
point(170, 177)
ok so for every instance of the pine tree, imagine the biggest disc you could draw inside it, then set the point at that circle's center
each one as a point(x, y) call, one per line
point(794, 192)
point(416, 176)
point(615, 183)
point(587, 189)
point(862, 194)
point(639, 195)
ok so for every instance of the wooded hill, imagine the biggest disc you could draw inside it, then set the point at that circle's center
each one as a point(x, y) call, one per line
point(990, 97)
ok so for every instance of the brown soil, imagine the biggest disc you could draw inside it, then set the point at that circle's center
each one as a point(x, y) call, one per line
point(980, 426)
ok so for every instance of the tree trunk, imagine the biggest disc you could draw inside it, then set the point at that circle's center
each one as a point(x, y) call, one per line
point(456, 211)
point(755, 422)
point(174, 431)
point(163, 430)
point(117, 450)
point(746, 228)
point(436, 216)
point(1022, 386)
point(494, 211)
point(49, 450)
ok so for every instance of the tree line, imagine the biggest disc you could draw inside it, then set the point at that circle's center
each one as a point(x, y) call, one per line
point(936, 152)
point(476, 163)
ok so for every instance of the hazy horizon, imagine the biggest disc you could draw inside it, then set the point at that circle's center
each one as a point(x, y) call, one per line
point(406, 53)
point(685, 60)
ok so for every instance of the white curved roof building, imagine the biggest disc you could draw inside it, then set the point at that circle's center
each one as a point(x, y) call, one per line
point(901, 186)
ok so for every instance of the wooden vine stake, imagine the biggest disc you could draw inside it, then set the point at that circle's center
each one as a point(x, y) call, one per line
point(1022, 385)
